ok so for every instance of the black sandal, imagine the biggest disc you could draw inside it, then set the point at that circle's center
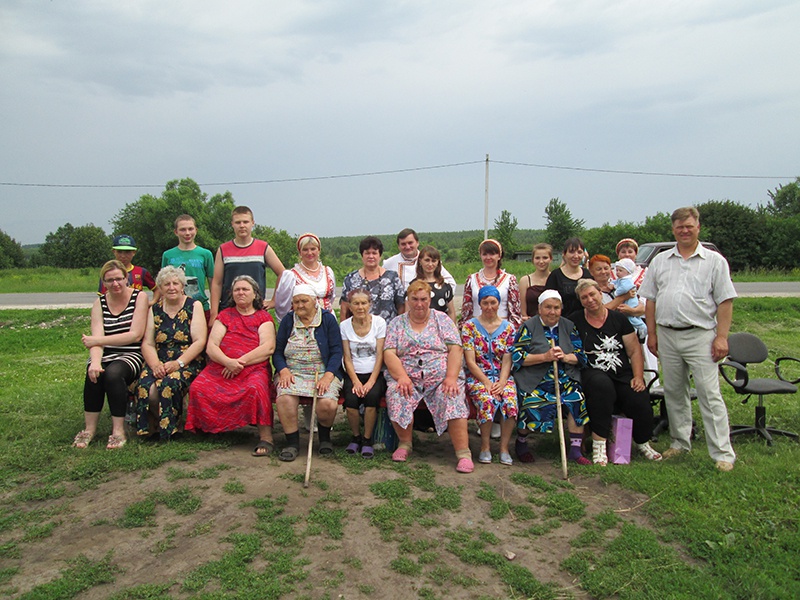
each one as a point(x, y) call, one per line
point(288, 454)
point(261, 445)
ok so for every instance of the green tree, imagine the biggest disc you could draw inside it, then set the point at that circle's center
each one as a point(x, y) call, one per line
point(11, 255)
point(469, 250)
point(151, 220)
point(284, 245)
point(785, 200)
point(782, 242)
point(603, 239)
point(737, 230)
point(561, 225)
point(504, 228)
point(72, 247)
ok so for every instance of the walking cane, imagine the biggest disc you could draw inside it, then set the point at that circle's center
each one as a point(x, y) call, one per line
point(560, 418)
point(311, 431)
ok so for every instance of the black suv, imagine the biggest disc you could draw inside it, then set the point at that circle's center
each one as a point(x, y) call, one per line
point(647, 252)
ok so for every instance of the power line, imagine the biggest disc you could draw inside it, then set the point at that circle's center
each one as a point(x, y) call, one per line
point(647, 173)
point(395, 171)
point(253, 182)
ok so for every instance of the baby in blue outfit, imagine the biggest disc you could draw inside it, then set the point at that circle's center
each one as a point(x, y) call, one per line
point(624, 284)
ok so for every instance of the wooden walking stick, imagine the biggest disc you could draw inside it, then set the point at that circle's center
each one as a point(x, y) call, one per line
point(311, 431)
point(560, 418)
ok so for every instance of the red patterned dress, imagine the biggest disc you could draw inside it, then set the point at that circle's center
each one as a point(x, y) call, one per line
point(217, 404)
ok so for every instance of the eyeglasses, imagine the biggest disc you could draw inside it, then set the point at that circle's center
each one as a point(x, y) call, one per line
point(113, 281)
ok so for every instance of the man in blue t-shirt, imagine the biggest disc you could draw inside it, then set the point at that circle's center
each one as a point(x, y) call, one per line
point(197, 262)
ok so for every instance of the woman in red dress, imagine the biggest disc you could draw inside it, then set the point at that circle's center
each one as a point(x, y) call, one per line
point(235, 389)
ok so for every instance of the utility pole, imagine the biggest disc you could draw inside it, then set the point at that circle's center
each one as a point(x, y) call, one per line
point(486, 202)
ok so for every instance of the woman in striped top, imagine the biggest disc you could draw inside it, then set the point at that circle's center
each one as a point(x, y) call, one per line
point(115, 353)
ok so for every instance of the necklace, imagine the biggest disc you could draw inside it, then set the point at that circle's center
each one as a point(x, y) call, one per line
point(313, 274)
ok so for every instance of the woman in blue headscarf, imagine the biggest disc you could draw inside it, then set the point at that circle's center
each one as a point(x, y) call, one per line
point(488, 341)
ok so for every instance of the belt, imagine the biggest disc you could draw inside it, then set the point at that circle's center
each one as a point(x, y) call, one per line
point(687, 328)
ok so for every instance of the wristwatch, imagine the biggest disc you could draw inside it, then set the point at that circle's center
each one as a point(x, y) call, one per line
point(181, 364)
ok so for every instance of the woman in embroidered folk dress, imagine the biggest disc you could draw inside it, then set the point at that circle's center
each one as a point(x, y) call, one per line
point(533, 284)
point(492, 274)
point(385, 287)
point(234, 390)
point(429, 270)
point(543, 339)
point(118, 321)
point(423, 358)
point(309, 271)
point(173, 352)
point(487, 340)
point(309, 343)
point(613, 377)
point(363, 336)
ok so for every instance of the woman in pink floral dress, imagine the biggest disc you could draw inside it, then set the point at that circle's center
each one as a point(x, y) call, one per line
point(423, 354)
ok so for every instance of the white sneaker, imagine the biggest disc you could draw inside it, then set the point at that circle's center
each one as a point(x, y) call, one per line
point(495, 435)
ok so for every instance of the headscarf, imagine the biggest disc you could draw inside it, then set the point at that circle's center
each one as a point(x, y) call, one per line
point(304, 290)
point(548, 294)
point(305, 238)
point(630, 241)
point(488, 290)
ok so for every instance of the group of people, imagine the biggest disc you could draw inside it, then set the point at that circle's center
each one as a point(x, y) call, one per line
point(572, 338)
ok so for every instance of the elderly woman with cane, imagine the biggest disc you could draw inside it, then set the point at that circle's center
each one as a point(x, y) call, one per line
point(308, 363)
point(546, 343)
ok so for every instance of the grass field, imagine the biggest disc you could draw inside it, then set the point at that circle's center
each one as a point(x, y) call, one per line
point(704, 534)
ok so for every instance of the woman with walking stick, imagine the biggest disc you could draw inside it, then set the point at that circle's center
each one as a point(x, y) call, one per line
point(543, 341)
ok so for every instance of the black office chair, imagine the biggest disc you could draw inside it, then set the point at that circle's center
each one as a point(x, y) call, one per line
point(744, 349)
point(660, 418)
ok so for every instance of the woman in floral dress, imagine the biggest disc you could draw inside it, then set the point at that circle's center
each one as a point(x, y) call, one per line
point(488, 341)
point(172, 348)
point(423, 354)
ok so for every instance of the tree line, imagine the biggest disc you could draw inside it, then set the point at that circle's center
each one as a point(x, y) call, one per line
point(767, 236)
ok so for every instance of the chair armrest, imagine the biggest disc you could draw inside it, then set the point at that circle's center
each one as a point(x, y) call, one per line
point(652, 381)
point(778, 369)
point(742, 376)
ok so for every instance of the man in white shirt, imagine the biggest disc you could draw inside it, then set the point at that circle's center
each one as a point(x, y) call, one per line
point(405, 262)
point(689, 309)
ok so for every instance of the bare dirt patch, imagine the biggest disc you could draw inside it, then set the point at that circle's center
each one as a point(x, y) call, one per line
point(358, 565)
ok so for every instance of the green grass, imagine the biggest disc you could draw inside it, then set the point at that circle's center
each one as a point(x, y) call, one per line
point(733, 535)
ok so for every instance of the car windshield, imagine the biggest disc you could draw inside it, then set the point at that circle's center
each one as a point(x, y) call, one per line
point(645, 253)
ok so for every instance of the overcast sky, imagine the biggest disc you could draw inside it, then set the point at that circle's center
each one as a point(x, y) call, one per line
point(142, 92)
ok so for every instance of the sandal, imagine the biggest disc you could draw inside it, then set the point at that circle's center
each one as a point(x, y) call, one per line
point(352, 447)
point(505, 459)
point(367, 452)
point(401, 455)
point(465, 465)
point(599, 454)
point(263, 448)
point(325, 448)
point(649, 453)
point(288, 454)
point(485, 457)
point(82, 440)
point(115, 442)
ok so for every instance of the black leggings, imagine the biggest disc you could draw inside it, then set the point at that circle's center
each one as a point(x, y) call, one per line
point(113, 383)
point(606, 396)
point(372, 398)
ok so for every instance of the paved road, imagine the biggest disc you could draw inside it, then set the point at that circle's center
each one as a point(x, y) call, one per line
point(85, 299)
